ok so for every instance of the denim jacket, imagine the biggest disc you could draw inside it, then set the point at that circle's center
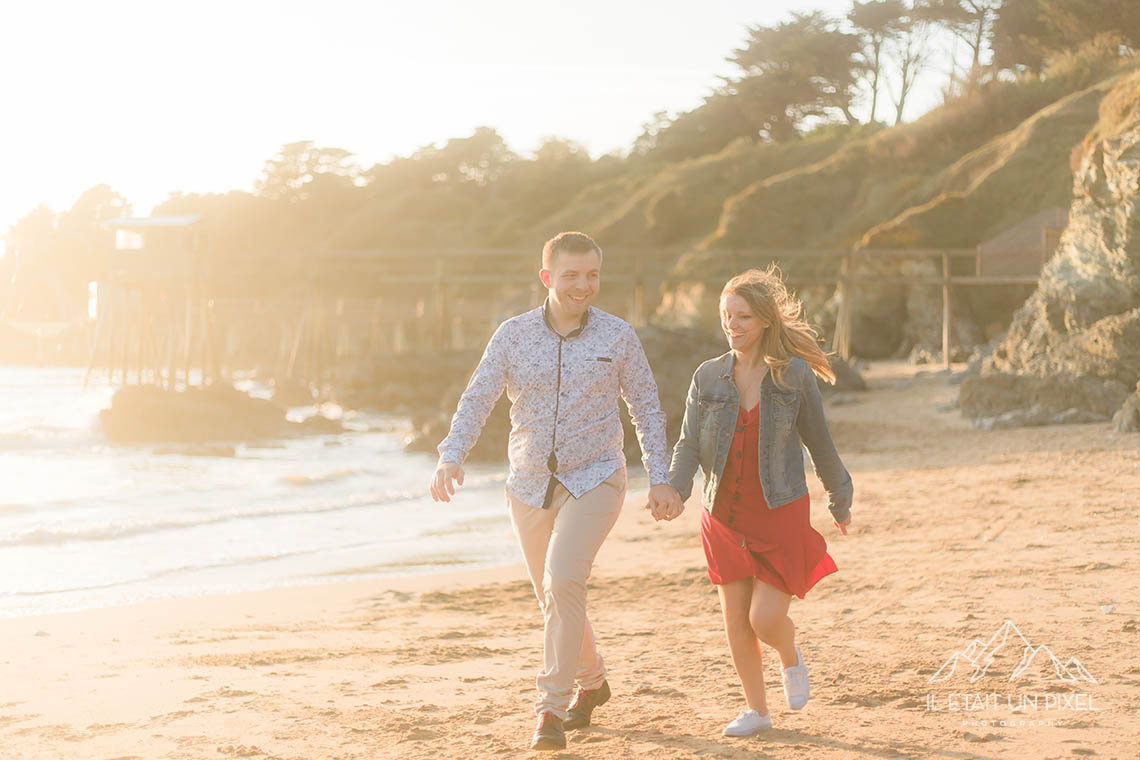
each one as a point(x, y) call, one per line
point(789, 415)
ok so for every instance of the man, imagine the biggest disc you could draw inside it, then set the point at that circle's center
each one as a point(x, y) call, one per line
point(563, 366)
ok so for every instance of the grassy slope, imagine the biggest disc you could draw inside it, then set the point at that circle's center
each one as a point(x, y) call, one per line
point(678, 204)
point(990, 189)
point(958, 175)
point(963, 172)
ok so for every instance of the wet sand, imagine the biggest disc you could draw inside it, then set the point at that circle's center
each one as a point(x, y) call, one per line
point(956, 531)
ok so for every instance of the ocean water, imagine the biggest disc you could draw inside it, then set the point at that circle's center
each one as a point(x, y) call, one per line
point(86, 523)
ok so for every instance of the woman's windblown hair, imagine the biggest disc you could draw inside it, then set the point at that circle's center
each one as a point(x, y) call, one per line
point(789, 333)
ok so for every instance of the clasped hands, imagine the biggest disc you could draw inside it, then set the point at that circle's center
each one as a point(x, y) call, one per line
point(664, 503)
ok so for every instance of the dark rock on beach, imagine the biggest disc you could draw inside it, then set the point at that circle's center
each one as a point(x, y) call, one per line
point(141, 414)
point(847, 378)
point(1127, 417)
point(999, 393)
point(425, 386)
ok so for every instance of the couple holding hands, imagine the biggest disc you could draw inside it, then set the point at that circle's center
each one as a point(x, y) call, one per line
point(563, 366)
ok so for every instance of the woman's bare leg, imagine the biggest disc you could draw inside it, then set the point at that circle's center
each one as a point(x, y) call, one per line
point(735, 602)
point(768, 618)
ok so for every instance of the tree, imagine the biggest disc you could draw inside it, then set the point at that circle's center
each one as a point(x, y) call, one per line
point(770, 105)
point(647, 141)
point(480, 158)
point(707, 128)
point(477, 160)
point(1072, 22)
point(911, 52)
point(532, 189)
point(32, 235)
point(1019, 36)
point(287, 175)
point(801, 67)
point(879, 21)
point(54, 255)
point(32, 292)
point(969, 20)
point(1028, 34)
point(81, 226)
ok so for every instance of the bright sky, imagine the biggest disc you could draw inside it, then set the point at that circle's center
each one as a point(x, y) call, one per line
point(156, 96)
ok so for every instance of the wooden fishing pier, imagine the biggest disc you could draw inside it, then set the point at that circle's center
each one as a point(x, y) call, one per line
point(168, 309)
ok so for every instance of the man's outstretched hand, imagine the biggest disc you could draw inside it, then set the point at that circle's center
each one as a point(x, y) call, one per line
point(443, 482)
point(664, 502)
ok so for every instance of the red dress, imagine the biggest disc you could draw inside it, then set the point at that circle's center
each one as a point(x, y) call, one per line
point(743, 537)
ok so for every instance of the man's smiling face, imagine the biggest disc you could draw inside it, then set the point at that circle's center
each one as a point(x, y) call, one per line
point(573, 281)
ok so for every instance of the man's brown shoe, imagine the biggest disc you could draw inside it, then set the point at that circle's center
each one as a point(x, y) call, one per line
point(548, 734)
point(584, 704)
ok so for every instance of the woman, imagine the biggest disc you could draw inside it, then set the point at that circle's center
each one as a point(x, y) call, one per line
point(745, 418)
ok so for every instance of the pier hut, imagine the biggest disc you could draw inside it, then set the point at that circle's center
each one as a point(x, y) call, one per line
point(151, 312)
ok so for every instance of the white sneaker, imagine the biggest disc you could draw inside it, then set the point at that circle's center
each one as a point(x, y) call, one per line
point(796, 686)
point(748, 722)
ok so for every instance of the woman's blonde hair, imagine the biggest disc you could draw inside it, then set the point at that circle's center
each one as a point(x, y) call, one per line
point(788, 333)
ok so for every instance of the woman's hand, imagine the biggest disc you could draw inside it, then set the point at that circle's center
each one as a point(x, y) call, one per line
point(843, 525)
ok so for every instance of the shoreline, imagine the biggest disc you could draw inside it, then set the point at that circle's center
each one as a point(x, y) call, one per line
point(955, 532)
point(413, 573)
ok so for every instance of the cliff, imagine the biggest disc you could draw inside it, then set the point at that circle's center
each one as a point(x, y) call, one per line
point(1073, 348)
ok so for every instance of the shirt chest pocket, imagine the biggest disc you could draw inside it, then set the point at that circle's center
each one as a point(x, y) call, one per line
point(597, 373)
point(785, 407)
point(710, 410)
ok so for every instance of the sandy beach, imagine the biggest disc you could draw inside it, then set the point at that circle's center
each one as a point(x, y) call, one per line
point(956, 531)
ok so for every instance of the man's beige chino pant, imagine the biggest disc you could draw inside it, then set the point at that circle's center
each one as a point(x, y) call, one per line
point(559, 545)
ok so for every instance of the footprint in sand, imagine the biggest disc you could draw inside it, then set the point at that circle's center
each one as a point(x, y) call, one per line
point(7, 720)
point(389, 683)
point(170, 717)
point(240, 750)
point(390, 596)
point(418, 735)
point(657, 691)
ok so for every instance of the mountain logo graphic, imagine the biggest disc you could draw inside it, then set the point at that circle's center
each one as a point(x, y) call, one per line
point(977, 658)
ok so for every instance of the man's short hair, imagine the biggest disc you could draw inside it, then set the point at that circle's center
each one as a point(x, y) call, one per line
point(567, 242)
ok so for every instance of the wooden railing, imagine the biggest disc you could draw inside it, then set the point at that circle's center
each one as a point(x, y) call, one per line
point(846, 280)
point(171, 334)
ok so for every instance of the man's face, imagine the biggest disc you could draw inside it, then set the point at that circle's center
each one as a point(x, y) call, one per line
point(573, 280)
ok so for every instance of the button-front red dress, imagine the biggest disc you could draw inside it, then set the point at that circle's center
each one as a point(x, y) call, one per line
point(744, 538)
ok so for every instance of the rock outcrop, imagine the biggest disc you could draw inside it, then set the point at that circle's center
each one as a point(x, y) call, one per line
point(146, 414)
point(1127, 417)
point(1073, 349)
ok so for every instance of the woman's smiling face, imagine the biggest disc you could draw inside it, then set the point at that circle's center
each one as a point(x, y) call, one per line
point(742, 328)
